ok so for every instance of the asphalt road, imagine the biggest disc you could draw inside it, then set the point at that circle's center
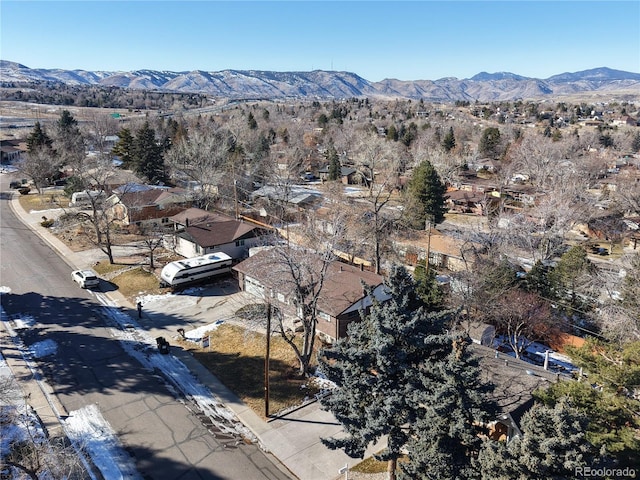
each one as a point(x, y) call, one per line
point(165, 438)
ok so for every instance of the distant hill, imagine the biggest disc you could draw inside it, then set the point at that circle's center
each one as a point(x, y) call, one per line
point(247, 84)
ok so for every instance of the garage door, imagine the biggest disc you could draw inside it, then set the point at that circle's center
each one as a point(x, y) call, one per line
point(253, 287)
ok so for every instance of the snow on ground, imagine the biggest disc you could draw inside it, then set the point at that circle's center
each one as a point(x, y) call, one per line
point(137, 343)
point(43, 348)
point(88, 430)
point(535, 353)
point(197, 334)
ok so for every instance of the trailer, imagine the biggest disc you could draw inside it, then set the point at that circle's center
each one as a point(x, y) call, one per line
point(195, 270)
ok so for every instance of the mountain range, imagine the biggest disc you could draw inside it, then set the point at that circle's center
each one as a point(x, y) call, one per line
point(320, 84)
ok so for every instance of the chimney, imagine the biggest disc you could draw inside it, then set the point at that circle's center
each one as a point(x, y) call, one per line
point(186, 222)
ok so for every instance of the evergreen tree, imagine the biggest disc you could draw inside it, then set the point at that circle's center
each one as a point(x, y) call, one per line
point(124, 148)
point(572, 270)
point(69, 143)
point(38, 139)
point(490, 142)
point(608, 398)
point(396, 365)
point(552, 446)
point(334, 164)
point(635, 143)
point(409, 134)
point(323, 120)
point(447, 433)
point(425, 196)
point(251, 121)
point(449, 141)
point(392, 133)
point(147, 155)
point(539, 280)
point(427, 287)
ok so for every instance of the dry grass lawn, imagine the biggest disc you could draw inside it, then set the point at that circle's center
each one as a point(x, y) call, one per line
point(236, 356)
point(133, 282)
point(47, 200)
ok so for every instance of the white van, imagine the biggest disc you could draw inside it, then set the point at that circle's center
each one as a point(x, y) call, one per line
point(83, 199)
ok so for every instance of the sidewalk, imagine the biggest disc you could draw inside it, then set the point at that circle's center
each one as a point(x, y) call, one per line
point(294, 439)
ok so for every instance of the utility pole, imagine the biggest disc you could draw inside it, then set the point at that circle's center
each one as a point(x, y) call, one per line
point(428, 229)
point(235, 196)
point(266, 362)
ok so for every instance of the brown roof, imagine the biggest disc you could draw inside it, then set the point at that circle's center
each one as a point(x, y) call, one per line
point(465, 196)
point(440, 243)
point(153, 196)
point(217, 232)
point(514, 380)
point(196, 216)
point(342, 284)
point(343, 287)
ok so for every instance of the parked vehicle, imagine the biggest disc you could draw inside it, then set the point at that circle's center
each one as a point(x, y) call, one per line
point(84, 198)
point(196, 269)
point(85, 278)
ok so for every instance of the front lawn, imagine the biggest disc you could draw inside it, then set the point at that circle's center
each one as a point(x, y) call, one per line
point(236, 356)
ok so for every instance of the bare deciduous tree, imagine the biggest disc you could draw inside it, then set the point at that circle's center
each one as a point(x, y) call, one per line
point(34, 454)
point(40, 166)
point(523, 318)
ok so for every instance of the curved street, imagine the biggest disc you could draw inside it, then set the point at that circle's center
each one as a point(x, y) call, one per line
point(93, 366)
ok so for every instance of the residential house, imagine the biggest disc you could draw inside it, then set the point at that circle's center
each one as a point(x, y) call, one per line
point(116, 179)
point(462, 201)
point(514, 382)
point(340, 300)
point(444, 251)
point(11, 151)
point(348, 175)
point(143, 204)
point(199, 232)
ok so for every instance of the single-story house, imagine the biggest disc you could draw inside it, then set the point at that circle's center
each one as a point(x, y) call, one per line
point(444, 251)
point(514, 382)
point(348, 175)
point(117, 179)
point(340, 299)
point(145, 204)
point(199, 232)
point(11, 151)
point(462, 201)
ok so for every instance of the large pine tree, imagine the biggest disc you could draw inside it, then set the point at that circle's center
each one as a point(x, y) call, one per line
point(394, 365)
point(553, 446)
point(425, 196)
point(147, 155)
point(124, 148)
point(38, 139)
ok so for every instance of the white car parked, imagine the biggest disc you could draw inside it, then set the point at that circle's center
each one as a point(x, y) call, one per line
point(85, 278)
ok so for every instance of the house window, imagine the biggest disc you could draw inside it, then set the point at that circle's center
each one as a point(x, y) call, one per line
point(239, 243)
point(165, 220)
point(324, 316)
point(281, 298)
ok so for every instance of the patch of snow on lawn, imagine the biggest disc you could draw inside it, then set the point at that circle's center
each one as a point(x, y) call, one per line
point(197, 334)
point(4, 289)
point(23, 322)
point(90, 431)
point(43, 348)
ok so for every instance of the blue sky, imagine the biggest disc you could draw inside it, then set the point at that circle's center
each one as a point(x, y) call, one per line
point(407, 40)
